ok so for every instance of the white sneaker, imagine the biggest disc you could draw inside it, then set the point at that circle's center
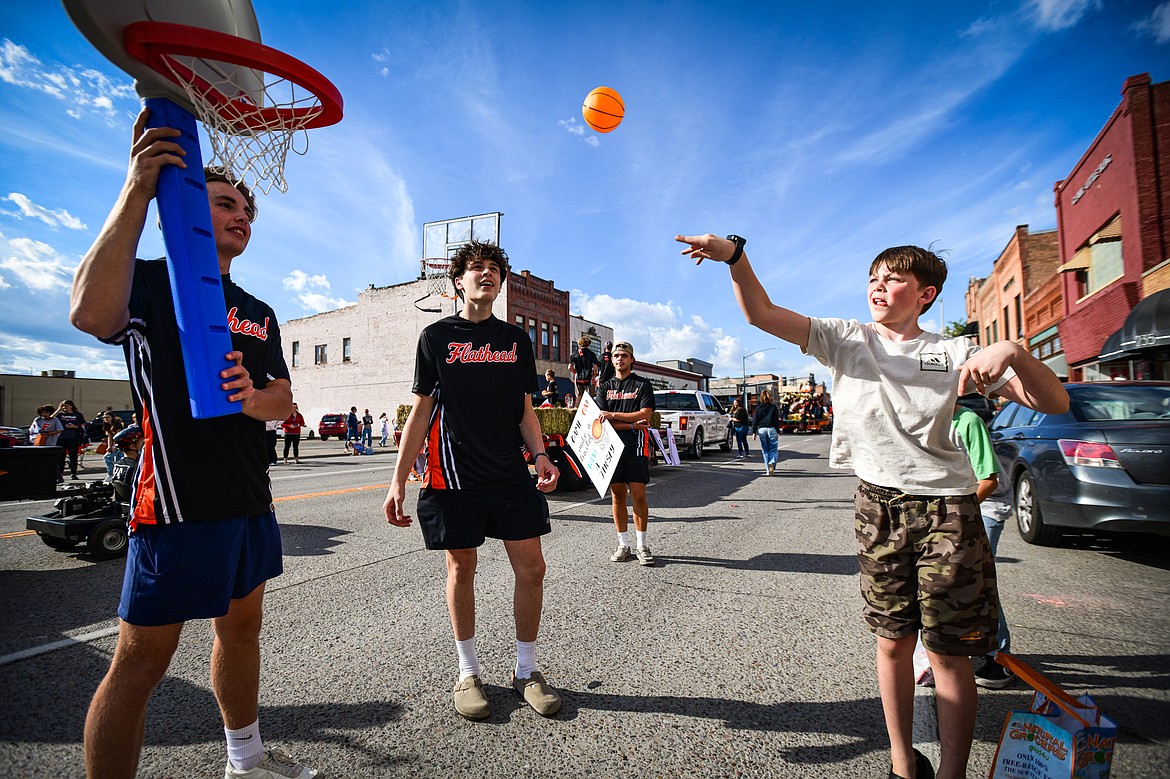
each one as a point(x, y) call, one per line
point(275, 764)
point(621, 555)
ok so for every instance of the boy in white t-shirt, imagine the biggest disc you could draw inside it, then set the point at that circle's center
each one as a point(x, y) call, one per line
point(924, 556)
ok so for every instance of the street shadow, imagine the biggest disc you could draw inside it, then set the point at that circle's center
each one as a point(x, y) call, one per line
point(1152, 551)
point(309, 540)
point(179, 713)
point(1144, 719)
point(783, 562)
point(93, 591)
point(859, 723)
point(606, 518)
point(792, 454)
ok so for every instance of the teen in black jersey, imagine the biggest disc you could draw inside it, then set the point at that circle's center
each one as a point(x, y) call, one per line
point(627, 402)
point(473, 382)
point(203, 538)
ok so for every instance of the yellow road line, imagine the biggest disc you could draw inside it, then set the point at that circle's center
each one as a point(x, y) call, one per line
point(332, 492)
point(19, 533)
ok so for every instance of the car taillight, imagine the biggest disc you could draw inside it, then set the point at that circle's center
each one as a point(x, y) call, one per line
point(1088, 453)
point(682, 423)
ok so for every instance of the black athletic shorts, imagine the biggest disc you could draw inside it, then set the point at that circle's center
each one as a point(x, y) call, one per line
point(632, 467)
point(463, 519)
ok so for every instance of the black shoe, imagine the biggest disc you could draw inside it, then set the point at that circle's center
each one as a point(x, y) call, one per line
point(922, 767)
point(993, 676)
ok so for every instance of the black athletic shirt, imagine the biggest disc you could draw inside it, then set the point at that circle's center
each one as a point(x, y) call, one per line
point(195, 469)
point(479, 374)
point(633, 393)
point(584, 363)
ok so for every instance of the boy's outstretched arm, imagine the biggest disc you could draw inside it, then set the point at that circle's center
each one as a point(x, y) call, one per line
point(1034, 385)
point(753, 298)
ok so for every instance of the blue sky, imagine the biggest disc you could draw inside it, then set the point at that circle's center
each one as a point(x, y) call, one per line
point(822, 132)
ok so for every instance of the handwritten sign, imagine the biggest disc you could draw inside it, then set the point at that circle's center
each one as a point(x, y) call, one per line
point(595, 443)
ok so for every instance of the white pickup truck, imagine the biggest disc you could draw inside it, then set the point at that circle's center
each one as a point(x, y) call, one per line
point(696, 420)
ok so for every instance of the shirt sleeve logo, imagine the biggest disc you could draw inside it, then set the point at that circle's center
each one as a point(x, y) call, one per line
point(934, 361)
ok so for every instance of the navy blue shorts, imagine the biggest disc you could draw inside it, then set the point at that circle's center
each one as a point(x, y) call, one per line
point(193, 570)
point(464, 519)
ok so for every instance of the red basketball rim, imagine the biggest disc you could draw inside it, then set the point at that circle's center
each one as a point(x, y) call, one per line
point(153, 43)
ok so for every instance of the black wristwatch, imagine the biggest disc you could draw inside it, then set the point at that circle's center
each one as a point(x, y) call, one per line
point(740, 242)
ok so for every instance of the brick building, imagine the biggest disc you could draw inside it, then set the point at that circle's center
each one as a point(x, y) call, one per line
point(998, 306)
point(363, 355)
point(538, 307)
point(1112, 225)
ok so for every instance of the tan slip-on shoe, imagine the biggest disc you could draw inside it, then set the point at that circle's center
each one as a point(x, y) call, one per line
point(538, 694)
point(470, 700)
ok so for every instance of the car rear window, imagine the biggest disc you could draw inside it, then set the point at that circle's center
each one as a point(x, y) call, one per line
point(330, 418)
point(1121, 403)
point(672, 401)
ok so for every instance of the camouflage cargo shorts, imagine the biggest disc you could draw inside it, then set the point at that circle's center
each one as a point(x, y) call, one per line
point(926, 564)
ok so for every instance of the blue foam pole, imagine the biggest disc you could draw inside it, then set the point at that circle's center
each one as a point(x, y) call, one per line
point(193, 264)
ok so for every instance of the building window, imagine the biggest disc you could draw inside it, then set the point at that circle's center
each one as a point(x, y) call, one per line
point(520, 321)
point(544, 340)
point(1099, 259)
point(532, 334)
point(1019, 319)
point(321, 354)
point(1007, 325)
point(556, 342)
point(994, 332)
point(346, 350)
point(296, 354)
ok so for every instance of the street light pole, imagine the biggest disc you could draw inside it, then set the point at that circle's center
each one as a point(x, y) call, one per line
point(753, 354)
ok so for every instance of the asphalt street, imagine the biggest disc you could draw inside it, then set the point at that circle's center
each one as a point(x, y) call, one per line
point(742, 653)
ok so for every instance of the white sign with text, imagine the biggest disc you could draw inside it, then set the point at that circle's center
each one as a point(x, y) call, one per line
point(595, 443)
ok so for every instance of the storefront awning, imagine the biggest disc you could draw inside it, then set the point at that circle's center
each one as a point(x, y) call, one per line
point(1148, 324)
point(1080, 261)
point(1113, 350)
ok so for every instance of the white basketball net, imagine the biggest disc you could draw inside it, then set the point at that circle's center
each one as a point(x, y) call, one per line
point(255, 157)
point(435, 272)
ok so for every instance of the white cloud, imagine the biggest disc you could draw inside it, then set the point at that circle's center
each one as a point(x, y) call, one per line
point(303, 284)
point(298, 280)
point(1158, 24)
point(317, 302)
point(661, 331)
point(36, 265)
point(85, 90)
point(58, 218)
point(384, 72)
point(22, 355)
point(573, 128)
point(1055, 15)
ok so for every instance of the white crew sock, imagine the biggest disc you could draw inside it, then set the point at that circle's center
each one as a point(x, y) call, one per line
point(641, 536)
point(244, 747)
point(624, 538)
point(468, 662)
point(525, 659)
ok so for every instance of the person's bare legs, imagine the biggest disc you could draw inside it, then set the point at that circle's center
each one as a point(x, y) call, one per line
point(895, 672)
point(957, 700)
point(621, 519)
point(528, 566)
point(461, 591)
point(116, 723)
point(235, 660)
point(641, 509)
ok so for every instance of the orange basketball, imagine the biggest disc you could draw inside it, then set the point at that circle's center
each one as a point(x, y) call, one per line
point(603, 109)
